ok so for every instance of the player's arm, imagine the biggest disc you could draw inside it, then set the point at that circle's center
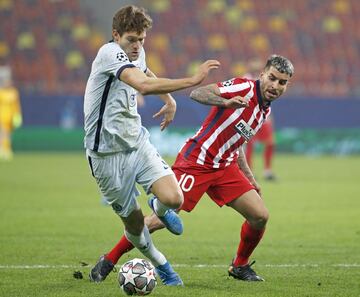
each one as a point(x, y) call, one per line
point(151, 85)
point(168, 110)
point(210, 95)
point(244, 167)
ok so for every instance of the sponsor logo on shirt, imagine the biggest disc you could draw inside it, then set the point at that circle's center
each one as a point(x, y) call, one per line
point(244, 130)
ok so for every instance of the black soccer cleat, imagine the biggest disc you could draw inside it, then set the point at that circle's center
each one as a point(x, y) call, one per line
point(101, 270)
point(245, 273)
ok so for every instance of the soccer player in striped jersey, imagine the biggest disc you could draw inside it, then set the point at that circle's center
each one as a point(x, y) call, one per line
point(117, 145)
point(213, 161)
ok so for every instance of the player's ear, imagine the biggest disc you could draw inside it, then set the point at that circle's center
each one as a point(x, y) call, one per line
point(115, 35)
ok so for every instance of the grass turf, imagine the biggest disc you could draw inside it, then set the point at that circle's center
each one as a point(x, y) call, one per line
point(51, 219)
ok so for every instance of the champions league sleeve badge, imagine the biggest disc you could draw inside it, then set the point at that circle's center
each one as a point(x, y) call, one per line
point(228, 83)
point(122, 57)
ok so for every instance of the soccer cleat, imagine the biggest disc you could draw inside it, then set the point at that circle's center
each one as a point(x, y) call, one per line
point(168, 276)
point(245, 273)
point(101, 270)
point(171, 219)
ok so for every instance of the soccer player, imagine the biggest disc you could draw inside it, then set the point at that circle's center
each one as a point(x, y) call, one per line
point(213, 161)
point(266, 137)
point(10, 114)
point(117, 145)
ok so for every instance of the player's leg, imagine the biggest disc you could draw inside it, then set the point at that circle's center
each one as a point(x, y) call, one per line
point(167, 199)
point(252, 207)
point(138, 234)
point(195, 187)
point(157, 178)
point(234, 189)
point(116, 175)
point(6, 149)
point(152, 172)
point(124, 245)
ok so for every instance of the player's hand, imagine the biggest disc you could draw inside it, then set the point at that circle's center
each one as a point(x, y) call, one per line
point(203, 71)
point(168, 112)
point(237, 102)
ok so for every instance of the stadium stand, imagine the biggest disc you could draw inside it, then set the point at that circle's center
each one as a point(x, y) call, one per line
point(320, 37)
point(50, 44)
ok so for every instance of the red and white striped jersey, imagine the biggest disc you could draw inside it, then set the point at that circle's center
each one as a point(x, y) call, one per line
point(224, 130)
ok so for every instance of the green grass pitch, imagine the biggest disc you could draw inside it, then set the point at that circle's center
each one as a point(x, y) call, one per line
point(52, 219)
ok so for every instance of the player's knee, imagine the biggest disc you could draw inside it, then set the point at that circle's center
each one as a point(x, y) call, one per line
point(173, 199)
point(260, 220)
point(176, 199)
point(135, 229)
point(134, 224)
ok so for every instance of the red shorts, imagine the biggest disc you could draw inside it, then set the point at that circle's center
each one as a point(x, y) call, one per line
point(222, 185)
point(265, 132)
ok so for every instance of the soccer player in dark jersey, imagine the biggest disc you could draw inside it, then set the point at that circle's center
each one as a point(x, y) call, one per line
point(213, 161)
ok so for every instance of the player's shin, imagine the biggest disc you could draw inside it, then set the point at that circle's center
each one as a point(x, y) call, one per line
point(145, 245)
point(250, 238)
point(122, 247)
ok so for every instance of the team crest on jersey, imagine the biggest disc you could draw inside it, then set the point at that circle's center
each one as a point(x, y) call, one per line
point(116, 207)
point(132, 100)
point(228, 83)
point(122, 57)
point(244, 129)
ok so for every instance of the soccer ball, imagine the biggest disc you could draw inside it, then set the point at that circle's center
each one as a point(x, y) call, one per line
point(137, 277)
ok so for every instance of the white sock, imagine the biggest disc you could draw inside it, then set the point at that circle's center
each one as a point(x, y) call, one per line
point(145, 245)
point(160, 208)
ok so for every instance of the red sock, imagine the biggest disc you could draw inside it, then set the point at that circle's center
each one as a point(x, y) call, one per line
point(249, 239)
point(122, 247)
point(268, 154)
point(249, 152)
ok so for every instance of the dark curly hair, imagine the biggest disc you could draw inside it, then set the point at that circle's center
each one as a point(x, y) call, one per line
point(131, 18)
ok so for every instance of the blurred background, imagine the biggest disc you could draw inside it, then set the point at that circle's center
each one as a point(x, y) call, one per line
point(47, 47)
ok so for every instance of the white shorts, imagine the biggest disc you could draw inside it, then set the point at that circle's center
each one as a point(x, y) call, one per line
point(117, 174)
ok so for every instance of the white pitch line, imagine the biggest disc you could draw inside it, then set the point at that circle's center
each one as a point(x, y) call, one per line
point(41, 266)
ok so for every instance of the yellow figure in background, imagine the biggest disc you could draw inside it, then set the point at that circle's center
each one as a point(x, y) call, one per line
point(10, 117)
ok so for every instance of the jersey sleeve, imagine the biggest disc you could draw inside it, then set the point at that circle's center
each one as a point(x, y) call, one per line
point(115, 60)
point(233, 87)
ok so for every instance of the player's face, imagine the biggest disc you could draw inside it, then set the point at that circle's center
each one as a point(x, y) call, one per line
point(131, 43)
point(273, 83)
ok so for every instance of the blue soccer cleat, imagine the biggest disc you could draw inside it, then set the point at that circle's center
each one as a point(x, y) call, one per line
point(168, 276)
point(171, 219)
